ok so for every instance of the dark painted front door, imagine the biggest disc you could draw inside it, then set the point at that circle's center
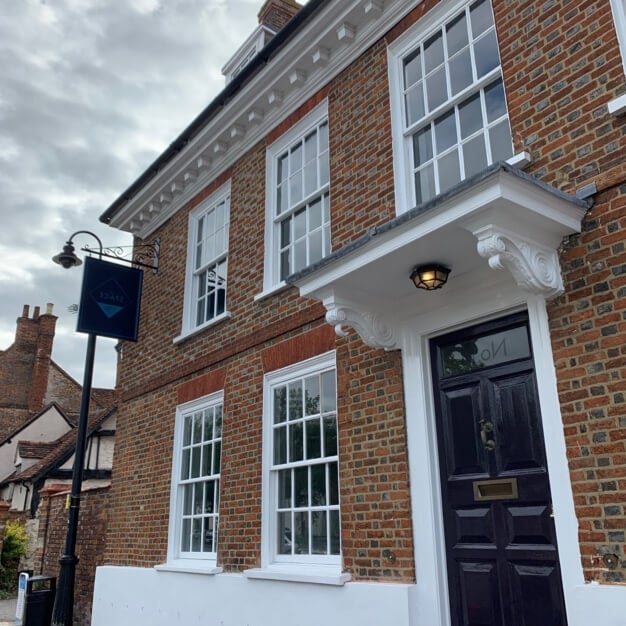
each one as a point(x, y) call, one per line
point(502, 560)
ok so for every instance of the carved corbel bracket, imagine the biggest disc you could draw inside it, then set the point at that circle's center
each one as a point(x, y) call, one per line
point(369, 326)
point(534, 266)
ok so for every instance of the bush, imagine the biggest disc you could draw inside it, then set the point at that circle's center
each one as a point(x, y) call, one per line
point(14, 547)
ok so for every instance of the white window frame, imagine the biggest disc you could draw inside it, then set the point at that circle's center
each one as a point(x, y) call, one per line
point(619, 17)
point(402, 138)
point(203, 562)
point(271, 278)
point(324, 569)
point(189, 326)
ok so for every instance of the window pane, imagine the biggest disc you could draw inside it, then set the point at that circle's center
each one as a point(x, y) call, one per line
point(301, 523)
point(218, 421)
point(285, 267)
point(424, 184)
point(217, 457)
point(324, 175)
point(460, 71)
point(312, 395)
point(208, 535)
point(198, 498)
point(495, 101)
point(415, 104)
point(284, 533)
point(196, 534)
point(206, 459)
point(296, 158)
point(184, 466)
point(329, 391)
point(310, 178)
point(295, 400)
point(445, 132)
point(480, 17)
point(280, 446)
point(436, 89)
point(197, 428)
point(323, 137)
point(301, 486)
point(185, 543)
point(187, 499)
point(209, 497)
point(486, 54)
point(318, 485)
point(456, 34)
point(313, 439)
point(282, 169)
point(333, 484)
point(296, 452)
point(433, 52)
point(470, 116)
point(285, 232)
point(208, 424)
point(280, 404)
point(449, 173)
point(500, 139)
point(310, 147)
point(299, 224)
point(300, 260)
point(319, 533)
point(284, 489)
point(315, 214)
point(474, 156)
point(187, 430)
point(195, 462)
point(335, 538)
point(295, 188)
point(412, 68)
point(330, 436)
point(423, 146)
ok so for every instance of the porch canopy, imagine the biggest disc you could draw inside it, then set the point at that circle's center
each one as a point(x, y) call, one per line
point(501, 219)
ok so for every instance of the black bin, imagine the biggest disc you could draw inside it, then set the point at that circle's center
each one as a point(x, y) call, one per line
point(40, 591)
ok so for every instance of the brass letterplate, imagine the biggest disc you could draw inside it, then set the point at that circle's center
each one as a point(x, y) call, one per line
point(498, 489)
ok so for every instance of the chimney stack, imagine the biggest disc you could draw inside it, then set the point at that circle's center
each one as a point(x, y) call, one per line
point(276, 13)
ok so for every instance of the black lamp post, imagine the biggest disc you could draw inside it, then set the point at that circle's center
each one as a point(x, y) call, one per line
point(63, 612)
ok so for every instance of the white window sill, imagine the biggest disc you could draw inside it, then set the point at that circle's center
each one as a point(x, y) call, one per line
point(266, 293)
point(617, 107)
point(198, 329)
point(207, 568)
point(315, 575)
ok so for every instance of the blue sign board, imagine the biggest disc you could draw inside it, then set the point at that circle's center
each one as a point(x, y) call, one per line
point(110, 300)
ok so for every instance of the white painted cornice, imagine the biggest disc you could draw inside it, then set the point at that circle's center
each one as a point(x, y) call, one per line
point(337, 34)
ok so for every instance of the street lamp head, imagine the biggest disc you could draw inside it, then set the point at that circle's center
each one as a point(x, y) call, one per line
point(67, 258)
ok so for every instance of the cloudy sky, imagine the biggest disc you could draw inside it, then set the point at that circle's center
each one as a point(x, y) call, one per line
point(91, 91)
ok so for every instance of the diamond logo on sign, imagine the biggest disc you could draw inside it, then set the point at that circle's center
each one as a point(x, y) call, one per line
point(110, 298)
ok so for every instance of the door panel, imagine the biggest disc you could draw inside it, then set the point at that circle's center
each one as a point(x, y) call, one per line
point(502, 560)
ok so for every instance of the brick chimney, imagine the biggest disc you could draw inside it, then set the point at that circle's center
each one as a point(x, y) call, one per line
point(276, 13)
point(45, 326)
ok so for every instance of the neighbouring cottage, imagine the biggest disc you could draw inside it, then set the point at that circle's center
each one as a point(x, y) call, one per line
point(39, 407)
point(306, 438)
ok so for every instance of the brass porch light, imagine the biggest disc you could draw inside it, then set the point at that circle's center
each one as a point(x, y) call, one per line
point(430, 277)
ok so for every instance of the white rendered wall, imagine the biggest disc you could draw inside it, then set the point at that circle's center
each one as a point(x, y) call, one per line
point(131, 596)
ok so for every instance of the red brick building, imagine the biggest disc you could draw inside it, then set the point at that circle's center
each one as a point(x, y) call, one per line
point(370, 452)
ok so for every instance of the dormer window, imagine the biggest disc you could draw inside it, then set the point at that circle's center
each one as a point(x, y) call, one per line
point(247, 51)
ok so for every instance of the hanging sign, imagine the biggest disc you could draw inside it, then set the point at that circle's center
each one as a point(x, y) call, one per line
point(110, 300)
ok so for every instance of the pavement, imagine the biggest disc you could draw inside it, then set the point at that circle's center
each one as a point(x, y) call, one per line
point(7, 612)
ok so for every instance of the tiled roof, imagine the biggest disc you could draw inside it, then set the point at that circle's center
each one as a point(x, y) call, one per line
point(35, 449)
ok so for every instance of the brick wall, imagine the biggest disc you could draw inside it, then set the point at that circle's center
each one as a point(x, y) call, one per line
point(90, 542)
